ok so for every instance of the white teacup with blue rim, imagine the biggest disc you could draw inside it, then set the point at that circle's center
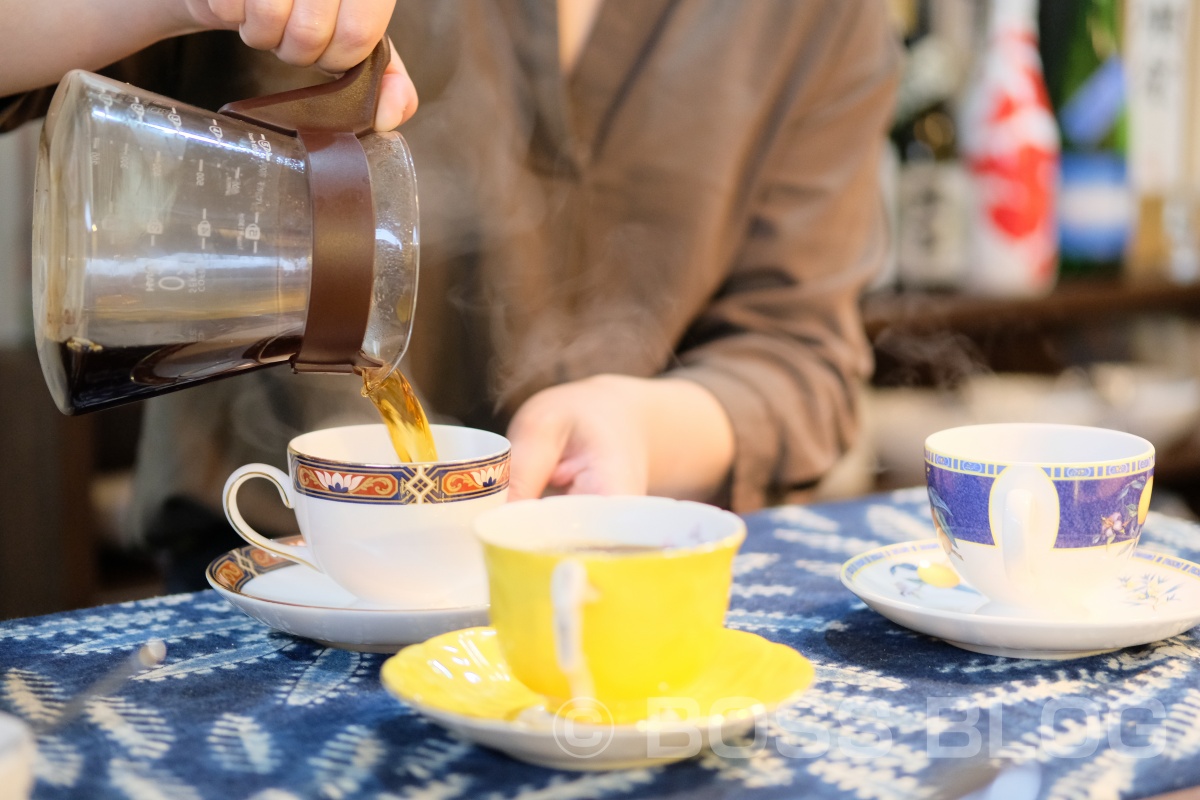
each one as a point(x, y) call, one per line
point(1040, 518)
point(396, 535)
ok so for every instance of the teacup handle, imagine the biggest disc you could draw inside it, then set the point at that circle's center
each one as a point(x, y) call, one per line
point(1014, 536)
point(569, 590)
point(293, 552)
point(1024, 517)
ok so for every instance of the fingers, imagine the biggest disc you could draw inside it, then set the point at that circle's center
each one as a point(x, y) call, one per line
point(306, 34)
point(218, 14)
point(578, 438)
point(397, 96)
point(358, 27)
point(537, 446)
point(330, 34)
point(264, 21)
point(334, 35)
point(601, 473)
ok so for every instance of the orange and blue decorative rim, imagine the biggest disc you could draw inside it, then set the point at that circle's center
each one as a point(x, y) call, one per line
point(238, 567)
point(401, 484)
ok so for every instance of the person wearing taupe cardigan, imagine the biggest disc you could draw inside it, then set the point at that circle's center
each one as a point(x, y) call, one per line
point(649, 255)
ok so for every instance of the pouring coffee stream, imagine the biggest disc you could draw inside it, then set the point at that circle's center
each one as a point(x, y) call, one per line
point(174, 247)
point(402, 414)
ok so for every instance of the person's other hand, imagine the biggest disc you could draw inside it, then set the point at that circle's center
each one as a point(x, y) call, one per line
point(334, 35)
point(613, 434)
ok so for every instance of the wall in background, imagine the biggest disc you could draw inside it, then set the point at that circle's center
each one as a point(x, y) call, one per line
point(18, 152)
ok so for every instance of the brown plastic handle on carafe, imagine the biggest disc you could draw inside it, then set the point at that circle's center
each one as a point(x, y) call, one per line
point(328, 119)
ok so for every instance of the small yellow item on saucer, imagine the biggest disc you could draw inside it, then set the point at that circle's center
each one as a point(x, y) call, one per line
point(936, 574)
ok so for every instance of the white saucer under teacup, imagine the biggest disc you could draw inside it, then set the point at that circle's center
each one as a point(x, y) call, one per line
point(913, 584)
point(295, 599)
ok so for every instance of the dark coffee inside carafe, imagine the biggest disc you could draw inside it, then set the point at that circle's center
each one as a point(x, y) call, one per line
point(97, 377)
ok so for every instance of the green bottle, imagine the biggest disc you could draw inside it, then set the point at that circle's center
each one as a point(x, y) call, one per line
point(1086, 80)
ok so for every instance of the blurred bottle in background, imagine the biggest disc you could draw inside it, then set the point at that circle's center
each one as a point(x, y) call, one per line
point(1010, 144)
point(931, 184)
point(1085, 75)
point(1162, 65)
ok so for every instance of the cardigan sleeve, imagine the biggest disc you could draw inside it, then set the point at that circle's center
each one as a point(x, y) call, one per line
point(782, 345)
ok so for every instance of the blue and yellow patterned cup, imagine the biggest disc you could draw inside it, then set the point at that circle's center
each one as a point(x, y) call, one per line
point(1038, 517)
point(396, 535)
point(615, 599)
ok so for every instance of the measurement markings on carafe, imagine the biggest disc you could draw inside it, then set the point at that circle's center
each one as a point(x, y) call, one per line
point(205, 203)
point(248, 232)
point(204, 229)
point(155, 228)
point(187, 204)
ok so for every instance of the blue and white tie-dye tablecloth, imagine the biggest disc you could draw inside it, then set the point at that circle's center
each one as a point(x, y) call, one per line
point(240, 711)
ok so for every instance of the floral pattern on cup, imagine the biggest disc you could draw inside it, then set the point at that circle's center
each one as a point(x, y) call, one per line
point(347, 483)
point(475, 480)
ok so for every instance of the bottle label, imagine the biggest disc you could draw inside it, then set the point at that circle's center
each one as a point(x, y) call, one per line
point(1011, 145)
point(931, 246)
point(1157, 59)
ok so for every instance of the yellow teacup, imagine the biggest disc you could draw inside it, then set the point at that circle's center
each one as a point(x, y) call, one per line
point(609, 598)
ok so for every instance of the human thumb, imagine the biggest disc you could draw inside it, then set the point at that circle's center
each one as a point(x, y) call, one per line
point(537, 447)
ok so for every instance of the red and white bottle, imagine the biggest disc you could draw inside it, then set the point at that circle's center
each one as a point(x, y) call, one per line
point(1010, 145)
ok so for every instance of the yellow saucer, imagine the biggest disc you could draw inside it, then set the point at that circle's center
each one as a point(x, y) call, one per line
point(461, 681)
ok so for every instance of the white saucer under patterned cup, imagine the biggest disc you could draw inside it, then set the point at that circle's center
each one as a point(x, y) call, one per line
point(1040, 518)
point(17, 756)
point(396, 535)
point(1156, 596)
point(294, 599)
